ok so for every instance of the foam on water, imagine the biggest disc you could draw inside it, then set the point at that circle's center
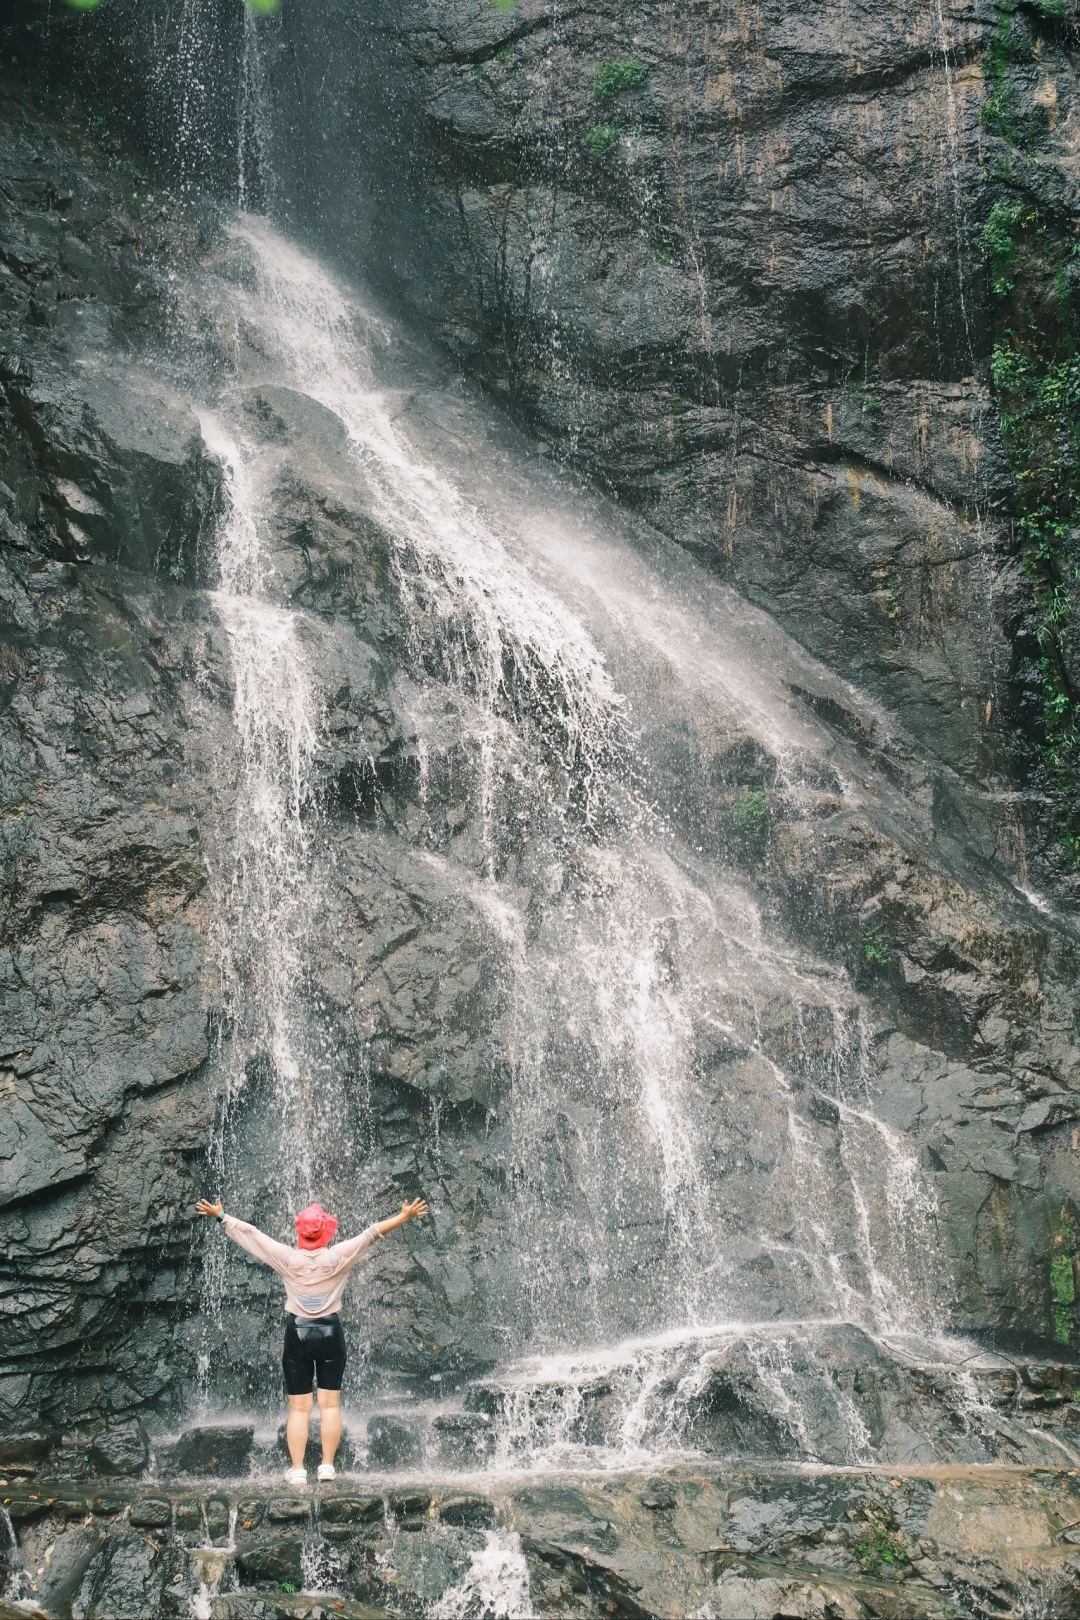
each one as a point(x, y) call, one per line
point(494, 1587)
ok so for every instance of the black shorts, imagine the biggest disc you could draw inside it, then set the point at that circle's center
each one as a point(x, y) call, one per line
point(314, 1348)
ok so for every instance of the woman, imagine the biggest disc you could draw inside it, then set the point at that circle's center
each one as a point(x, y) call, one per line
point(315, 1278)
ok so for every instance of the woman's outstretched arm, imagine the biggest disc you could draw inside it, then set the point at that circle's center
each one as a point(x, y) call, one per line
point(409, 1212)
point(278, 1256)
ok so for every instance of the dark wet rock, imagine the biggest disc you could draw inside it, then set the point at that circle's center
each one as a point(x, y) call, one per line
point(731, 1541)
point(250, 1513)
point(393, 1442)
point(215, 1449)
point(270, 1561)
point(128, 1579)
point(188, 1516)
point(658, 1496)
point(217, 1519)
point(122, 1450)
point(288, 1510)
point(469, 1512)
point(21, 1509)
point(30, 1447)
point(351, 1509)
point(151, 1513)
point(106, 1507)
point(632, 305)
point(411, 1510)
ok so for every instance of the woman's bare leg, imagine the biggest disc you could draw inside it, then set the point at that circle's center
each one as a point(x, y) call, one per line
point(330, 1422)
point(296, 1427)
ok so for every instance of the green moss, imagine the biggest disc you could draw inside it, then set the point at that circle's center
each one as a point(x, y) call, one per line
point(751, 813)
point(875, 949)
point(503, 5)
point(880, 1549)
point(662, 247)
point(1062, 1282)
point(601, 140)
point(1063, 1292)
point(611, 78)
point(999, 109)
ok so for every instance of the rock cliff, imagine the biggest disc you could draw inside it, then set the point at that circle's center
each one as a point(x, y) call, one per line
point(728, 261)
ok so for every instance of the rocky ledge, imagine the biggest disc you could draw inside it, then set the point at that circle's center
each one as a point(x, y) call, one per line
point(721, 1542)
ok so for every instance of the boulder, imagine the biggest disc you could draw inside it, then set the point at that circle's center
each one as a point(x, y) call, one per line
point(221, 1449)
point(31, 1446)
point(393, 1442)
point(123, 1450)
point(270, 1560)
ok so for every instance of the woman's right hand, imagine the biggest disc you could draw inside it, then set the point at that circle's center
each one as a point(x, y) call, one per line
point(205, 1207)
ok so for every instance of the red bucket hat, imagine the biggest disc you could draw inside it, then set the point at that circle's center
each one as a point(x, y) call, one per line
point(314, 1227)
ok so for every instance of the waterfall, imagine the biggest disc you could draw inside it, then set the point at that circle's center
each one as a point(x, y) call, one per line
point(690, 1144)
point(625, 958)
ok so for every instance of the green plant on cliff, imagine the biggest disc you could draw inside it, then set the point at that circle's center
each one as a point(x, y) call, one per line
point(750, 813)
point(1029, 242)
point(880, 1550)
point(999, 109)
point(1038, 396)
point(601, 140)
point(1063, 1289)
point(611, 78)
point(999, 241)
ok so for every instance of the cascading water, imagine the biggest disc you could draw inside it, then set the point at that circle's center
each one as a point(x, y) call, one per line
point(692, 1154)
point(624, 959)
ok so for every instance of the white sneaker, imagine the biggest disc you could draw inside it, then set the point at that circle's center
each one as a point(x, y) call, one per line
point(326, 1471)
point(296, 1476)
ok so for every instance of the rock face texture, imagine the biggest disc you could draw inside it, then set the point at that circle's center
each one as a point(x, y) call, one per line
point(104, 1020)
point(725, 259)
point(728, 257)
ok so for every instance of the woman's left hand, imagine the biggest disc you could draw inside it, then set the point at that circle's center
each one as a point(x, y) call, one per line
point(205, 1207)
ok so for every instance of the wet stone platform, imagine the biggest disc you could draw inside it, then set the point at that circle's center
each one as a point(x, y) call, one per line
point(728, 1543)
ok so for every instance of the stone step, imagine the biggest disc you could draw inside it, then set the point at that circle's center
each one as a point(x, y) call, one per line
point(942, 1543)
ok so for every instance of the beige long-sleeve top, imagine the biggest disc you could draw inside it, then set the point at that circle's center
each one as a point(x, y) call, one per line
point(314, 1278)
